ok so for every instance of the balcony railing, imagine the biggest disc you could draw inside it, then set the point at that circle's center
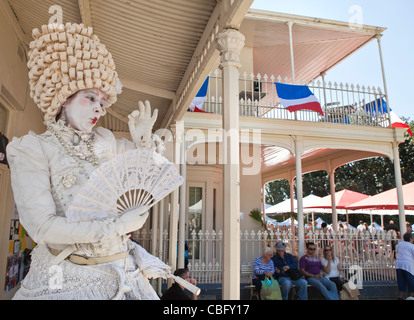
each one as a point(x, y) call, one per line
point(341, 103)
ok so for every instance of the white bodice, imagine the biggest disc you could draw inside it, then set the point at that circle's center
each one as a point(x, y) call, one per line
point(66, 175)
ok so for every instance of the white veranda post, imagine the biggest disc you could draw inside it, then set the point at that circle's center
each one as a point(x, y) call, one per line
point(182, 207)
point(333, 199)
point(230, 42)
point(299, 195)
point(398, 183)
point(174, 213)
point(397, 167)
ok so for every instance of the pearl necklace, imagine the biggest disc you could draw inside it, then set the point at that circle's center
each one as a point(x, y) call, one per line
point(76, 154)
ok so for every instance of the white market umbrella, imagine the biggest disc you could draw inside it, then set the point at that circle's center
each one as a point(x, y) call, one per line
point(285, 206)
point(288, 222)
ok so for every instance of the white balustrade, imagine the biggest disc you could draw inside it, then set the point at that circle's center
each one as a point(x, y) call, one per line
point(373, 253)
point(341, 103)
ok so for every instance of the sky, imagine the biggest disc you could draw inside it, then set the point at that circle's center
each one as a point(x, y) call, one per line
point(364, 66)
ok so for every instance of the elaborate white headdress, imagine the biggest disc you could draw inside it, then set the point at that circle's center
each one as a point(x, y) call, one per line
point(64, 59)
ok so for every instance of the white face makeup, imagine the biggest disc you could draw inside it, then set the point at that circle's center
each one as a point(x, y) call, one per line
point(84, 109)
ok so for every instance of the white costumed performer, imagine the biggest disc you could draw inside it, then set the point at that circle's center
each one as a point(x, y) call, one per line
point(73, 80)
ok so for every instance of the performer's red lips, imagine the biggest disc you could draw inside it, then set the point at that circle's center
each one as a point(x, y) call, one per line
point(94, 120)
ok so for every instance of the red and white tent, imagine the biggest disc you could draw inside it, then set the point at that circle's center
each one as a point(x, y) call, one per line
point(387, 200)
point(343, 199)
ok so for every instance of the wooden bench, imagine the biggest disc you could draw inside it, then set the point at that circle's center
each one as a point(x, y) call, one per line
point(294, 291)
point(247, 269)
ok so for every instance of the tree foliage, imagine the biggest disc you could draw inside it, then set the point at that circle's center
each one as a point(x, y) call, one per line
point(257, 215)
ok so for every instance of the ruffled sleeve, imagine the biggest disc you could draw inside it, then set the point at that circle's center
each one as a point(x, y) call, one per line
point(31, 185)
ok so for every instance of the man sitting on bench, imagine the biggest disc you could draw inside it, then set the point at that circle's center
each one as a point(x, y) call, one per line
point(312, 269)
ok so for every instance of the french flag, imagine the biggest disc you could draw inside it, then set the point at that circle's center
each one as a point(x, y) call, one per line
point(297, 97)
point(380, 106)
point(197, 104)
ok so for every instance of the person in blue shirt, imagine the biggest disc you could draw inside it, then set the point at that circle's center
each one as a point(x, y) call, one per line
point(284, 264)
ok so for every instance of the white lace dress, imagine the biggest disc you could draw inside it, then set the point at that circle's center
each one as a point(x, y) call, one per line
point(45, 179)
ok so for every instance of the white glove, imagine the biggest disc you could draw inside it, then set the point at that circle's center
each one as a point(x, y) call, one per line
point(153, 272)
point(159, 145)
point(140, 125)
point(132, 220)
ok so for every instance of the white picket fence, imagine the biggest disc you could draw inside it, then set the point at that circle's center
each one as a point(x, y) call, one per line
point(341, 102)
point(371, 254)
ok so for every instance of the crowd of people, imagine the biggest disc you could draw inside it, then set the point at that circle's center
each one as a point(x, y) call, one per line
point(323, 274)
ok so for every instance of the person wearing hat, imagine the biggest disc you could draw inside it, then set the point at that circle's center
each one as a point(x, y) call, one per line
point(73, 81)
point(285, 269)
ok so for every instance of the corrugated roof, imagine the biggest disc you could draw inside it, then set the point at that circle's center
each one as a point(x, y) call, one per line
point(152, 42)
point(33, 14)
point(156, 43)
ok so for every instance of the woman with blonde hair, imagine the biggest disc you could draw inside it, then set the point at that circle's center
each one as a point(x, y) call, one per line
point(332, 266)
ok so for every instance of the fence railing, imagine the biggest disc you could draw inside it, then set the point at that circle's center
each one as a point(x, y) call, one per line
point(341, 103)
point(372, 254)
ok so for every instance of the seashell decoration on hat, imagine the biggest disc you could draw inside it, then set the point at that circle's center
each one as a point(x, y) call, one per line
point(64, 59)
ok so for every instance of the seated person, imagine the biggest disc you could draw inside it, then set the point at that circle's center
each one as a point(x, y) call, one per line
point(176, 291)
point(332, 267)
point(263, 266)
point(311, 267)
point(284, 262)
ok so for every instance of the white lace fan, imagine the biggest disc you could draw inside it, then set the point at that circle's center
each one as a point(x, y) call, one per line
point(131, 180)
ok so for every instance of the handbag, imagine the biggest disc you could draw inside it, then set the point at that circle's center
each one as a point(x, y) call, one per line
point(294, 274)
point(348, 293)
point(270, 289)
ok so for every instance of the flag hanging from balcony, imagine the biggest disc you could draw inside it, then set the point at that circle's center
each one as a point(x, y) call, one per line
point(379, 107)
point(197, 104)
point(297, 97)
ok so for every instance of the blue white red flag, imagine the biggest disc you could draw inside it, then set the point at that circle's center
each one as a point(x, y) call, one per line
point(197, 104)
point(297, 97)
point(379, 106)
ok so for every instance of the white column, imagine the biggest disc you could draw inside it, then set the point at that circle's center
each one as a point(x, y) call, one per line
point(172, 257)
point(230, 42)
point(398, 183)
point(161, 211)
point(299, 195)
point(384, 80)
point(333, 200)
point(324, 91)
point(161, 238)
point(397, 167)
point(183, 206)
point(292, 207)
point(292, 60)
point(154, 235)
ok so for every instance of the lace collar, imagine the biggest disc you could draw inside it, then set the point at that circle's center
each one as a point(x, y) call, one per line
point(69, 133)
